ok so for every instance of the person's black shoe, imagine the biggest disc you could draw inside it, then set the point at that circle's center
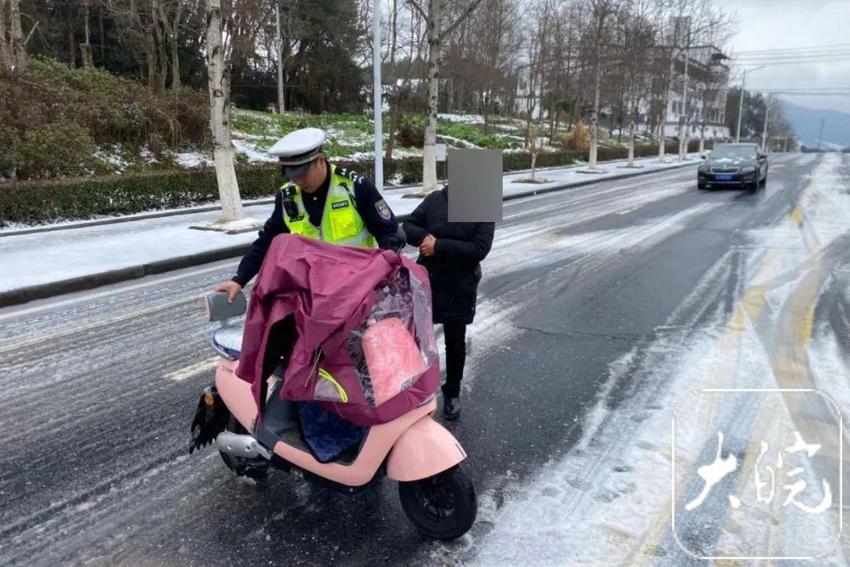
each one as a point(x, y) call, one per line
point(451, 408)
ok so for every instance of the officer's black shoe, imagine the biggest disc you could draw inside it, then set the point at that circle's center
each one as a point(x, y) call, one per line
point(451, 408)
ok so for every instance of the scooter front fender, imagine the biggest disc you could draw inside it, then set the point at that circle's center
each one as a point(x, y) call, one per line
point(423, 450)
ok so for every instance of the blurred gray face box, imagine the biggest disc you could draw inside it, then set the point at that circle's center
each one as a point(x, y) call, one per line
point(475, 185)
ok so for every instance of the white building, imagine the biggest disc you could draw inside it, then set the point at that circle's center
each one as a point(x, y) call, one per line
point(706, 100)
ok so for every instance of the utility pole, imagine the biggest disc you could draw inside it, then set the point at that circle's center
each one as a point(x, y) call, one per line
point(280, 101)
point(764, 147)
point(376, 95)
point(820, 134)
point(741, 107)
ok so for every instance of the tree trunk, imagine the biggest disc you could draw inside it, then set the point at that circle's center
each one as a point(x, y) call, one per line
point(16, 39)
point(171, 30)
point(392, 100)
point(162, 58)
point(5, 51)
point(102, 38)
point(631, 142)
point(429, 158)
point(279, 47)
point(85, 47)
point(663, 121)
point(219, 89)
point(533, 164)
point(150, 60)
point(175, 63)
point(594, 117)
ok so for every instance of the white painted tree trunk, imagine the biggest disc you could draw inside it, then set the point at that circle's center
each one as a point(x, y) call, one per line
point(429, 158)
point(631, 142)
point(702, 141)
point(219, 88)
point(594, 117)
point(661, 138)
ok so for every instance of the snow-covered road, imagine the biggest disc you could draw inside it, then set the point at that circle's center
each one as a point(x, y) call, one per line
point(602, 310)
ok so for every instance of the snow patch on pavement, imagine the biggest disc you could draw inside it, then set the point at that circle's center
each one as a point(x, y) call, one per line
point(609, 499)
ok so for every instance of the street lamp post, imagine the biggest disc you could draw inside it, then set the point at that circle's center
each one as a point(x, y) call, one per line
point(764, 146)
point(376, 96)
point(741, 101)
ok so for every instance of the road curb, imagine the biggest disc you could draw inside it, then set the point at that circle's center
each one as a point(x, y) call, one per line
point(593, 181)
point(264, 201)
point(42, 291)
point(82, 283)
point(128, 218)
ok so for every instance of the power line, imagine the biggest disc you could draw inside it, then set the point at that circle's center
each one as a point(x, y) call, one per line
point(795, 49)
point(804, 62)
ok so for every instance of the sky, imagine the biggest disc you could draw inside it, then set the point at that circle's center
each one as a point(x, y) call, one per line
point(769, 24)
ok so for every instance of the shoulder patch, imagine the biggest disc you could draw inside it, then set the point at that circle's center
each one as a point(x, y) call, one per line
point(383, 210)
point(345, 172)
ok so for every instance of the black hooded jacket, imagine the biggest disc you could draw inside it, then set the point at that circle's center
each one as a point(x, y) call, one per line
point(455, 267)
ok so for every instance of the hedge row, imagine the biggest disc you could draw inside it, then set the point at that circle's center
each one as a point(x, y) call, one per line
point(38, 202)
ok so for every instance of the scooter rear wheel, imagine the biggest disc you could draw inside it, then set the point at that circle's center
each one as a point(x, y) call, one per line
point(251, 468)
point(443, 506)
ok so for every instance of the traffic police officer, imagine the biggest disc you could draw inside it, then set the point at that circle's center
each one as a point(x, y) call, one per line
point(320, 201)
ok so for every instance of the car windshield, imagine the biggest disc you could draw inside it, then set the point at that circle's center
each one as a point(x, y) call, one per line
point(733, 151)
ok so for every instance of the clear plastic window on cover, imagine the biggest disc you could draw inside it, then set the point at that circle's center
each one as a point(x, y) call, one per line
point(395, 345)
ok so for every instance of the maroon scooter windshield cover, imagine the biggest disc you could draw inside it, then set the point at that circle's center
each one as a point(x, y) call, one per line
point(363, 341)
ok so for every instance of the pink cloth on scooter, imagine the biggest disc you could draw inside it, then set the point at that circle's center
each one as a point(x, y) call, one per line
point(392, 357)
point(328, 293)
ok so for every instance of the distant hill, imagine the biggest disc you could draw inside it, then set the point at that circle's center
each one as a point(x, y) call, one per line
point(806, 125)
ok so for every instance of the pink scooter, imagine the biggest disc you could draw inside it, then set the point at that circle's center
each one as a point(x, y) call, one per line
point(436, 495)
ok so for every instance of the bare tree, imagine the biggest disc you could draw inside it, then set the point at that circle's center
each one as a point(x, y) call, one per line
point(279, 50)
point(85, 47)
point(218, 70)
point(170, 13)
point(601, 11)
point(433, 18)
point(16, 38)
point(5, 47)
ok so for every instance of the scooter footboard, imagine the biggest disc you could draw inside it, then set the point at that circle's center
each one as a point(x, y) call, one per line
point(425, 449)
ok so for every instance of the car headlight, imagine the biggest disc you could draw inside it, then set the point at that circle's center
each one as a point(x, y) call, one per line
point(703, 169)
point(748, 169)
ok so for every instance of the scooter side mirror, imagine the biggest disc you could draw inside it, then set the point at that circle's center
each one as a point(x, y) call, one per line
point(219, 309)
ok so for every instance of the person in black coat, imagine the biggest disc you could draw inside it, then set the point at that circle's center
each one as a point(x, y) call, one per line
point(452, 253)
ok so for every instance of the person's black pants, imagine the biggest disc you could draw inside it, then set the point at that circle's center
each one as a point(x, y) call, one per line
point(455, 337)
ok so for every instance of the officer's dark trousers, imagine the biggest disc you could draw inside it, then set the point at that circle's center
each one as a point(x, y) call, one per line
point(455, 337)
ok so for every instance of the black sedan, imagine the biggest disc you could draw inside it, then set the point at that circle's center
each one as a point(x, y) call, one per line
point(742, 165)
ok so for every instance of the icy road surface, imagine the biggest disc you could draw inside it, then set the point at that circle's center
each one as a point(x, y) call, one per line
point(602, 311)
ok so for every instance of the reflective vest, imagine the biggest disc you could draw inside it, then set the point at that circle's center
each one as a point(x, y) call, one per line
point(341, 223)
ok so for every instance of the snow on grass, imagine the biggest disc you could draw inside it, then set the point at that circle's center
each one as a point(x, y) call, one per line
point(463, 118)
point(252, 153)
point(193, 159)
point(114, 156)
point(459, 141)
